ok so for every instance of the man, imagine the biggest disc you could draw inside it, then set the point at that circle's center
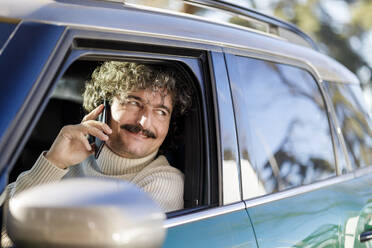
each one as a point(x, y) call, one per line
point(142, 100)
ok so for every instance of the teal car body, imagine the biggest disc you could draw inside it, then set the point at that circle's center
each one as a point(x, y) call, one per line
point(277, 151)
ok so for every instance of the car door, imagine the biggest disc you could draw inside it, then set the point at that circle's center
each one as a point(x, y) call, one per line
point(287, 155)
point(215, 213)
point(355, 125)
point(227, 223)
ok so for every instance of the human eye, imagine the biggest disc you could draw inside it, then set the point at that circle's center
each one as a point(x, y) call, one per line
point(161, 112)
point(133, 103)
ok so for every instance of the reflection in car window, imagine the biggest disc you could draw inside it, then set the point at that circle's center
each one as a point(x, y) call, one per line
point(352, 119)
point(283, 129)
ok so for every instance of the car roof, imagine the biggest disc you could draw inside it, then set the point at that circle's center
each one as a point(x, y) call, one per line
point(155, 22)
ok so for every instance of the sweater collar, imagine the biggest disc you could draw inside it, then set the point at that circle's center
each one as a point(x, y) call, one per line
point(112, 164)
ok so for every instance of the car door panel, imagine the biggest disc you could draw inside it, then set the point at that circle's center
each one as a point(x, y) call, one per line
point(356, 210)
point(331, 216)
point(307, 220)
point(231, 229)
point(227, 225)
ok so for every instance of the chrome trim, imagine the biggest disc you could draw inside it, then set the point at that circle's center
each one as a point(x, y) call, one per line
point(204, 214)
point(298, 191)
point(104, 212)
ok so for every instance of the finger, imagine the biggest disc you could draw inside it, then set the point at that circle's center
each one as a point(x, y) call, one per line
point(85, 142)
point(93, 114)
point(100, 125)
point(89, 129)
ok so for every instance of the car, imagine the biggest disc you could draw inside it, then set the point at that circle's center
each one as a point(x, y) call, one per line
point(276, 149)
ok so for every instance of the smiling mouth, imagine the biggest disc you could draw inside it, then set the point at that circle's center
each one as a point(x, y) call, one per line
point(137, 129)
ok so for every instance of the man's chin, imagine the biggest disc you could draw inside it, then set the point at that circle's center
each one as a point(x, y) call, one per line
point(132, 153)
point(132, 148)
point(139, 154)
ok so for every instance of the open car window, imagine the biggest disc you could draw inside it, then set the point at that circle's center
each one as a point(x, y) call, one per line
point(183, 145)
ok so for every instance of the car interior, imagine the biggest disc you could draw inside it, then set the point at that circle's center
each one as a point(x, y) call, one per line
point(183, 146)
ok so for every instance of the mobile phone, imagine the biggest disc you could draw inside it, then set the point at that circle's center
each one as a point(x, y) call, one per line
point(103, 117)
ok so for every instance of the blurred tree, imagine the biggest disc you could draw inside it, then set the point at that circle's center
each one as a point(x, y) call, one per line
point(361, 15)
point(334, 38)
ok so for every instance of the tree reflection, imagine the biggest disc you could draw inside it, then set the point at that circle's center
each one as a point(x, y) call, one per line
point(289, 164)
point(294, 155)
point(354, 125)
point(293, 171)
point(325, 236)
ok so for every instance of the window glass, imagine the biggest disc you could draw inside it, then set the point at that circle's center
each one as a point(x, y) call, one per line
point(5, 30)
point(283, 129)
point(354, 122)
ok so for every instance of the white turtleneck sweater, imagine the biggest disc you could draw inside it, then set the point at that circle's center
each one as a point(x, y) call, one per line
point(163, 182)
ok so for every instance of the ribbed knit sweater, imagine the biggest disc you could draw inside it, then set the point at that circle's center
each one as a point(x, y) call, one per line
point(163, 182)
point(155, 176)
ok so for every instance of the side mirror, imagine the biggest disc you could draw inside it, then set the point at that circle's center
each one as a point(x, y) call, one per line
point(85, 212)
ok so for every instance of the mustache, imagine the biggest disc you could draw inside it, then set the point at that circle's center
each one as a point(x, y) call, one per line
point(138, 128)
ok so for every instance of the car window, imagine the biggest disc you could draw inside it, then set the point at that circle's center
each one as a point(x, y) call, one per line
point(354, 122)
point(65, 108)
point(283, 129)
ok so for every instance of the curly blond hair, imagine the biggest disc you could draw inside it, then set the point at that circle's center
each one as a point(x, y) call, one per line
point(117, 79)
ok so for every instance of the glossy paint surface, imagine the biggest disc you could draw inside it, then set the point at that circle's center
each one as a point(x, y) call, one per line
point(6, 30)
point(227, 230)
point(170, 25)
point(21, 63)
point(333, 216)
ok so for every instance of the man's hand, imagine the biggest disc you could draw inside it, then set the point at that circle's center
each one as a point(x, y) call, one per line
point(72, 146)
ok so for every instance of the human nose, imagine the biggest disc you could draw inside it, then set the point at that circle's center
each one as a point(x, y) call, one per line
point(144, 119)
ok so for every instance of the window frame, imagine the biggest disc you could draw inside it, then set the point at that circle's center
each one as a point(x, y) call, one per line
point(190, 54)
point(230, 53)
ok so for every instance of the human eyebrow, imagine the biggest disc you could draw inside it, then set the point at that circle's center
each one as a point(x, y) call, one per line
point(162, 106)
point(135, 97)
